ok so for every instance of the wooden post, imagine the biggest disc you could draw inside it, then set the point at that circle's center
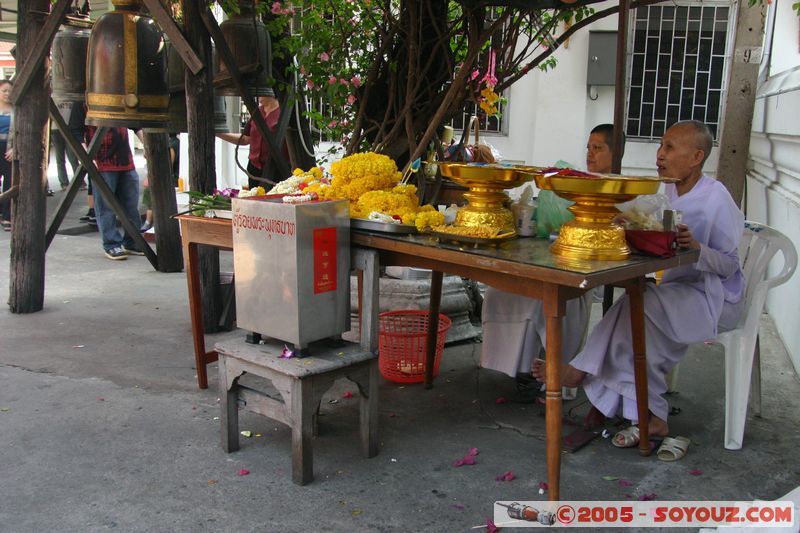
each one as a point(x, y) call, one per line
point(26, 287)
point(734, 143)
point(202, 176)
point(162, 195)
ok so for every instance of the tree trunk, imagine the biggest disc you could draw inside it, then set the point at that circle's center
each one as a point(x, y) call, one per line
point(202, 176)
point(26, 290)
point(162, 195)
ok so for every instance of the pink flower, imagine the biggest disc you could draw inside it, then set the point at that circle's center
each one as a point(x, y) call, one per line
point(332, 80)
point(276, 8)
point(356, 81)
point(351, 99)
point(507, 476)
point(333, 123)
point(344, 82)
point(475, 74)
point(302, 70)
point(324, 56)
point(309, 84)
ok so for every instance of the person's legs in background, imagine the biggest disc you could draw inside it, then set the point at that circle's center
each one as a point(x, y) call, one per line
point(5, 175)
point(57, 147)
point(128, 195)
point(106, 219)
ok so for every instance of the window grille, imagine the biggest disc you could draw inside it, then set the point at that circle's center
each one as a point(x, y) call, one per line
point(678, 67)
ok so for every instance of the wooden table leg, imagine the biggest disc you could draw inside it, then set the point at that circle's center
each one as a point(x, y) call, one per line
point(196, 312)
point(433, 326)
point(635, 292)
point(554, 309)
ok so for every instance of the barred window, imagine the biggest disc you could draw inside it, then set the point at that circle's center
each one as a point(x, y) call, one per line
point(678, 68)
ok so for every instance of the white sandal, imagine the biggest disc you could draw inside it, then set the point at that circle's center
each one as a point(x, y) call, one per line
point(629, 435)
point(673, 448)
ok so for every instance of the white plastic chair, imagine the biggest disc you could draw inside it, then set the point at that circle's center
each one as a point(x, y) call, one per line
point(759, 245)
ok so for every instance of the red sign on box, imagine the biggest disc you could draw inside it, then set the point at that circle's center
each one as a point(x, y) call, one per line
point(324, 260)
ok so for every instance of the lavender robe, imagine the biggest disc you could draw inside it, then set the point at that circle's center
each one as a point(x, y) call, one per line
point(514, 330)
point(685, 308)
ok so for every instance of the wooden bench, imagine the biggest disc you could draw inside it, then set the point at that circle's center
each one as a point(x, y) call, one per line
point(301, 383)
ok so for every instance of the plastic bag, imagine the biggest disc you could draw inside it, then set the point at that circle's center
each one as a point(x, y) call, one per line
point(551, 213)
point(463, 151)
point(644, 212)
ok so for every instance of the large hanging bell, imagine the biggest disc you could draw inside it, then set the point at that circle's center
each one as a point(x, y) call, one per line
point(177, 96)
point(250, 44)
point(68, 60)
point(127, 70)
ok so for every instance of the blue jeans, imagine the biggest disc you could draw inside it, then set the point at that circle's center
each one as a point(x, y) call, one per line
point(125, 186)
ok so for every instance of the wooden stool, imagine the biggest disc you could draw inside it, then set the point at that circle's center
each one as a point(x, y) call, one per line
point(301, 384)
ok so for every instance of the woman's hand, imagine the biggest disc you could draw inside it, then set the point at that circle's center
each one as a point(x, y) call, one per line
point(685, 239)
point(9, 154)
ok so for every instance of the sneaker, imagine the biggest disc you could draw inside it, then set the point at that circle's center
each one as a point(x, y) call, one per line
point(132, 250)
point(89, 216)
point(50, 192)
point(116, 253)
point(145, 227)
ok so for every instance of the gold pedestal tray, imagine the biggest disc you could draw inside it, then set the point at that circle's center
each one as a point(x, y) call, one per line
point(486, 183)
point(593, 234)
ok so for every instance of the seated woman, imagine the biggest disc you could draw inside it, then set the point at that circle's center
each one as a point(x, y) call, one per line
point(688, 306)
point(514, 326)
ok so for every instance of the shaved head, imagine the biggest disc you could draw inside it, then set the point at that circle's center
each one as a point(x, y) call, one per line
point(703, 140)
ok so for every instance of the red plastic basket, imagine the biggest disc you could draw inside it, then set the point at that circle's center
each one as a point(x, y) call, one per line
point(402, 345)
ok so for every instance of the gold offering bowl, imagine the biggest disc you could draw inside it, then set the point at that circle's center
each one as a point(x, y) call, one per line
point(593, 234)
point(486, 198)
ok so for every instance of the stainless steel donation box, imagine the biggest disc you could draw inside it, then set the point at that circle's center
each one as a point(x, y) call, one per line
point(292, 268)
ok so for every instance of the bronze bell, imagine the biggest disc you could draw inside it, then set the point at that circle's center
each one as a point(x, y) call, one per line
point(68, 64)
point(250, 44)
point(127, 70)
point(177, 96)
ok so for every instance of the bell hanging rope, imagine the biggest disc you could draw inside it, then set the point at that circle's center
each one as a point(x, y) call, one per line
point(250, 44)
point(126, 79)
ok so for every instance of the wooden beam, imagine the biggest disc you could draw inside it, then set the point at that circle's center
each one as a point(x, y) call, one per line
point(77, 178)
point(176, 37)
point(10, 193)
point(40, 51)
point(162, 196)
point(247, 98)
point(100, 185)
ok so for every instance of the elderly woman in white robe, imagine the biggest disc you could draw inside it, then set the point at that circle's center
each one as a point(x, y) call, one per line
point(514, 326)
point(688, 306)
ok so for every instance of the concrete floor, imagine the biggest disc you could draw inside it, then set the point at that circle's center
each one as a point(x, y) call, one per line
point(103, 427)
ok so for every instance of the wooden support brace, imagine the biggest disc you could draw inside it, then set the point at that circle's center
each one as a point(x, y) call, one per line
point(247, 98)
point(39, 52)
point(176, 37)
point(100, 185)
point(10, 193)
point(77, 178)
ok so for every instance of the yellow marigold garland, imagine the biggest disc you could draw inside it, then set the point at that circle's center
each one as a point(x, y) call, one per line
point(371, 182)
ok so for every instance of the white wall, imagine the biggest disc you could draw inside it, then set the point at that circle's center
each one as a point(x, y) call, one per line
point(773, 179)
